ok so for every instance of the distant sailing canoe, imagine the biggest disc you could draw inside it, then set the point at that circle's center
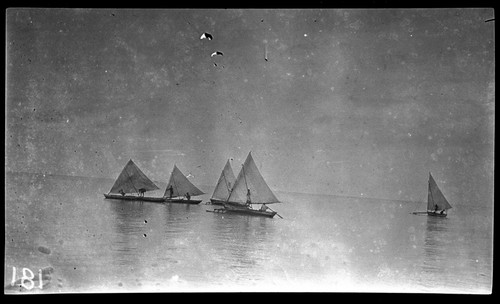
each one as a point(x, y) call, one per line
point(224, 185)
point(436, 201)
point(250, 188)
point(131, 185)
point(180, 189)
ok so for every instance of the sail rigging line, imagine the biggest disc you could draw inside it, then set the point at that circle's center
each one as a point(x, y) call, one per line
point(226, 182)
point(229, 195)
point(249, 197)
point(227, 185)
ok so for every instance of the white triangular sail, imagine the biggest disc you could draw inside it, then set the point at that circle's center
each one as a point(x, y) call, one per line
point(435, 197)
point(132, 180)
point(225, 183)
point(180, 185)
point(250, 178)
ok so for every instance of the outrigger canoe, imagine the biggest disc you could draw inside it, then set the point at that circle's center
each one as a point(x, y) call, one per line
point(250, 185)
point(244, 211)
point(437, 204)
point(135, 198)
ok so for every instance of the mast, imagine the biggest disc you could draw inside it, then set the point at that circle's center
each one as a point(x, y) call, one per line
point(249, 199)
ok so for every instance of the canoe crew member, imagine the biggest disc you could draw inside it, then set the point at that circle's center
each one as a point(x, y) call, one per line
point(171, 189)
point(141, 192)
point(435, 208)
point(188, 196)
point(264, 207)
point(122, 192)
point(248, 198)
point(442, 211)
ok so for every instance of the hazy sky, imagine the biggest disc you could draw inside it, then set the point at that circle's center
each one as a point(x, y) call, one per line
point(352, 102)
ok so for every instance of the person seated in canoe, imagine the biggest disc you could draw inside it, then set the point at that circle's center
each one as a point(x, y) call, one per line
point(442, 211)
point(188, 196)
point(435, 208)
point(263, 207)
point(122, 192)
point(171, 189)
point(141, 192)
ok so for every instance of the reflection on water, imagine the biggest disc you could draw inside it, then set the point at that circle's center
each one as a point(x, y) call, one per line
point(454, 259)
point(177, 240)
point(242, 241)
point(128, 223)
point(435, 242)
point(333, 242)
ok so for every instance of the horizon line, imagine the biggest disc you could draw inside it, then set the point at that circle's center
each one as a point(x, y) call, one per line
point(211, 186)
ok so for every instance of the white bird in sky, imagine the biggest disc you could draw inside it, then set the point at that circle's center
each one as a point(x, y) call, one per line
point(217, 53)
point(206, 36)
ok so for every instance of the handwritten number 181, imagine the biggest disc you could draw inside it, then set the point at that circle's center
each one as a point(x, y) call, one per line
point(28, 276)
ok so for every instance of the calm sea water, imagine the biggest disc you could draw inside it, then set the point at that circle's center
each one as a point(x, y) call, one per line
point(323, 243)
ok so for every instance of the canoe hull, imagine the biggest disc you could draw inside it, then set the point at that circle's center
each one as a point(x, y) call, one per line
point(135, 198)
point(151, 199)
point(182, 201)
point(214, 201)
point(248, 211)
point(437, 214)
point(430, 213)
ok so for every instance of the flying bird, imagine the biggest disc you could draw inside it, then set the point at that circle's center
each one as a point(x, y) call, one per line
point(206, 36)
point(216, 54)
